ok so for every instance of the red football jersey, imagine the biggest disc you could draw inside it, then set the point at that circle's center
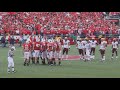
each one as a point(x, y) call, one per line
point(36, 46)
point(40, 46)
point(31, 45)
point(43, 46)
point(58, 47)
point(50, 46)
point(26, 47)
point(54, 46)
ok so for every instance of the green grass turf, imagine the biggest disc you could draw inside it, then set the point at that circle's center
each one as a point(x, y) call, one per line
point(69, 69)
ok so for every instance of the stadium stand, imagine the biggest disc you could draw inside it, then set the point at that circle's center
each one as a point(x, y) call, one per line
point(77, 23)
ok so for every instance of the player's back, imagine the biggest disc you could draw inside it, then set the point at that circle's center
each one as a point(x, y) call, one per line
point(79, 45)
point(50, 46)
point(37, 46)
point(26, 47)
point(103, 45)
point(66, 43)
point(84, 43)
point(114, 44)
point(93, 43)
point(87, 46)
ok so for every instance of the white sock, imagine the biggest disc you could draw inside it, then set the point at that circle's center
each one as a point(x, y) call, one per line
point(12, 69)
point(103, 57)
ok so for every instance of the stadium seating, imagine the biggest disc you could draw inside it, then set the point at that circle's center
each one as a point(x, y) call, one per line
point(88, 23)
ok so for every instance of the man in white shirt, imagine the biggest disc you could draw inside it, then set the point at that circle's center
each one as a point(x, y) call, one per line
point(66, 47)
point(114, 48)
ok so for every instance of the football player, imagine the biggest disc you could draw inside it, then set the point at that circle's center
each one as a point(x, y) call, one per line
point(88, 49)
point(103, 46)
point(26, 52)
point(79, 46)
point(36, 48)
point(93, 43)
point(114, 48)
point(10, 60)
point(66, 47)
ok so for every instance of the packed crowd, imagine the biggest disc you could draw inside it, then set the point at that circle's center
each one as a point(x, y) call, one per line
point(83, 23)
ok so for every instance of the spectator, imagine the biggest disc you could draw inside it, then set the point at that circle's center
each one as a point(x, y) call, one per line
point(12, 41)
point(17, 32)
point(25, 22)
point(3, 41)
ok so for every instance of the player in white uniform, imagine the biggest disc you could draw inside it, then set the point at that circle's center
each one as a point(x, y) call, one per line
point(103, 46)
point(10, 60)
point(114, 48)
point(88, 49)
point(66, 47)
point(84, 49)
point(93, 43)
point(79, 46)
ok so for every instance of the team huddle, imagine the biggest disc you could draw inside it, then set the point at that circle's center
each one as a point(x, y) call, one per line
point(48, 51)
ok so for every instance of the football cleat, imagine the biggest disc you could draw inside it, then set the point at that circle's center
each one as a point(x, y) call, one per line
point(8, 71)
point(14, 71)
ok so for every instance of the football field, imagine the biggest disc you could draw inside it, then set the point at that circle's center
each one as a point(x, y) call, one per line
point(68, 69)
